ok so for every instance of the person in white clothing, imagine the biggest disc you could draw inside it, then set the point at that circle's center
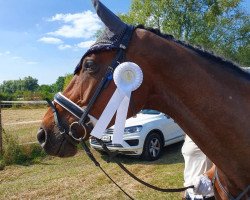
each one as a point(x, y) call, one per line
point(196, 164)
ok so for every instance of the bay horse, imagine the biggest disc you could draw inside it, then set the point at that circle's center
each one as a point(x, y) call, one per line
point(206, 95)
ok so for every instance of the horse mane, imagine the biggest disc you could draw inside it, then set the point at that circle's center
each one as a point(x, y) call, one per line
point(198, 49)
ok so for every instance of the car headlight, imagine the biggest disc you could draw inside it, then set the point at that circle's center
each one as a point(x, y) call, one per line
point(133, 129)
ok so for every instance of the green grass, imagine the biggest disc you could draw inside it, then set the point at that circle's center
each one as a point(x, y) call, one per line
point(14, 153)
point(12, 119)
point(78, 178)
point(24, 133)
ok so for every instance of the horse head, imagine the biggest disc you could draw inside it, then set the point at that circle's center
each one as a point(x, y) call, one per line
point(206, 95)
point(90, 76)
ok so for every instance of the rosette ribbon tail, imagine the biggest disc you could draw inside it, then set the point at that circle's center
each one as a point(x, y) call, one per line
point(127, 77)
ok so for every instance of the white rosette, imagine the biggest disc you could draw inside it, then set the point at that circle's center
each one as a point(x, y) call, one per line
point(127, 77)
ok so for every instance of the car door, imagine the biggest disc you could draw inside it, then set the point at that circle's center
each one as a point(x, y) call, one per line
point(172, 132)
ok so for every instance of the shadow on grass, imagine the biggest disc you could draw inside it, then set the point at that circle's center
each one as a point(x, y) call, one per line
point(170, 155)
point(42, 162)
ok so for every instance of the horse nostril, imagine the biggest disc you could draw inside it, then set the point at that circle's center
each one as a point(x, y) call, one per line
point(41, 136)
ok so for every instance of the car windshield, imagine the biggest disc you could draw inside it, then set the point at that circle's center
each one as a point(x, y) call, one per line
point(149, 112)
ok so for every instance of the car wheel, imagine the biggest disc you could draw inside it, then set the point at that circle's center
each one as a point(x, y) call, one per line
point(153, 146)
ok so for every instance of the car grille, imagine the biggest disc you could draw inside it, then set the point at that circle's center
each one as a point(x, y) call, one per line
point(130, 143)
point(93, 141)
point(109, 131)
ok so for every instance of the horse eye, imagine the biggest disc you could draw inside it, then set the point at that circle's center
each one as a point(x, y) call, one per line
point(90, 66)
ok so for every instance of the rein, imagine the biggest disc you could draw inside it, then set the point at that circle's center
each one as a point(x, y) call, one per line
point(97, 164)
point(230, 197)
point(111, 157)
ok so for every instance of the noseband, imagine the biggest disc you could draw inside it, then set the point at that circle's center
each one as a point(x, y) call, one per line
point(80, 113)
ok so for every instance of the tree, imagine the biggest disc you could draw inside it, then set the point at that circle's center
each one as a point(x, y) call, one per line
point(68, 78)
point(29, 84)
point(46, 91)
point(22, 88)
point(58, 85)
point(12, 86)
point(218, 25)
point(29, 89)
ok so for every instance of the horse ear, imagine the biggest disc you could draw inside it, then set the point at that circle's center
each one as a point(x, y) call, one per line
point(112, 21)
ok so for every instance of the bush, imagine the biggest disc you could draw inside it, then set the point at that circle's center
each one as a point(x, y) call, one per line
point(14, 153)
point(6, 97)
point(2, 164)
point(11, 150)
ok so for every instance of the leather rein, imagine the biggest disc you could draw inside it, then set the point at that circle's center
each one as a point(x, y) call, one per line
point(83, 116)
point(230, 197)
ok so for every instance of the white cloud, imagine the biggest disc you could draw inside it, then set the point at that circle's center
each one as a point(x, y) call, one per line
point(64, 46)
point(86, 44)
point(17, 58)
point(4, 53)
point(82, 45)
point(31, 63)
point(50, 40)
point(78, 25)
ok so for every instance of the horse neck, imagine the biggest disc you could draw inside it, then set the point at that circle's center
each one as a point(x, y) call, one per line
point(210, 101)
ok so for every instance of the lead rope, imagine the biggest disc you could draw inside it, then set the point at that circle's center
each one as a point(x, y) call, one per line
point(111, 156)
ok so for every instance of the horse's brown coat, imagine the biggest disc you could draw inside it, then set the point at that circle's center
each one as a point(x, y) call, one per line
point(209, 100)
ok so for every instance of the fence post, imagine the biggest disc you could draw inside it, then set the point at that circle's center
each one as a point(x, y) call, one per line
point(1, 130)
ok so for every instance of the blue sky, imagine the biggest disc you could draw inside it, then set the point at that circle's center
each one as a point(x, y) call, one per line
point(46, 38)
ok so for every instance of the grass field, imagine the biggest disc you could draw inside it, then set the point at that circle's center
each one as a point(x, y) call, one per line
point(23, 123)
point(78, 178)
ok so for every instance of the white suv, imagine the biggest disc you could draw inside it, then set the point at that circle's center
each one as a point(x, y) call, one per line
point(146, 135)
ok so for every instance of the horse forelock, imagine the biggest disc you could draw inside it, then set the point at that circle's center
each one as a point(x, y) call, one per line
point(105, 42)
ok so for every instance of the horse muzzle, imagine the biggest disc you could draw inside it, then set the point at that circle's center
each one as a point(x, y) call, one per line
point(66, 134)
point(56, 144)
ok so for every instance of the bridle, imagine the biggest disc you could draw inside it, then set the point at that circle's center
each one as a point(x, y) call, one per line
point(84, 120)
point(78, 112)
